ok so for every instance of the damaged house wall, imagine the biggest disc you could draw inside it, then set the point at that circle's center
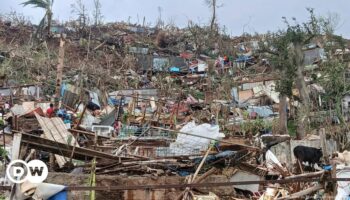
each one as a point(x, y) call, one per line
point(284, 150)
point(158, 63)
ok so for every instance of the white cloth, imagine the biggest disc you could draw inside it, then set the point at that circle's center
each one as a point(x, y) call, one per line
point(343, 190)
point(191, 144)
point(37, 191)
point(271, 159)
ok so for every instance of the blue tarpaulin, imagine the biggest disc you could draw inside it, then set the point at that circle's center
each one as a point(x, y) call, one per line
point(174, 69)
point(243, 58)
point(60, 196)
point(63, 88)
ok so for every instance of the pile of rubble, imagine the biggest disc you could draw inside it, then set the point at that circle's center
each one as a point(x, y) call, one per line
point(170, 119)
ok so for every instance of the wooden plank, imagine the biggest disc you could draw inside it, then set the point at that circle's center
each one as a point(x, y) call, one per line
point(50, 146)
point(306, 175)
point(324, 144)
point(55, 130)
point(16, 146)
point(302, 193)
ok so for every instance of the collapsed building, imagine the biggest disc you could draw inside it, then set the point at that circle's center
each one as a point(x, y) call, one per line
point(156, 129)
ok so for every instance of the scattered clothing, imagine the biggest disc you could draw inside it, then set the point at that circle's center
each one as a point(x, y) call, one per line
point(50, 112)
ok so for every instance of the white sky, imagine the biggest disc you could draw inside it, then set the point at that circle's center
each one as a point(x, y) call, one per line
point(252, 15)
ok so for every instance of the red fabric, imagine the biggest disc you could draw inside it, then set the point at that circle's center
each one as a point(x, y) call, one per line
point(49, 112)
point(186, 55)
point(226, 58)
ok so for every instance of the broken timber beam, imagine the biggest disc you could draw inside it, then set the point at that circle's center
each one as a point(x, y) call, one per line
point(81, 118)
point(307, 175)
point(302, 193)
point(50, 146)
point(59, 71)
point(92, 134)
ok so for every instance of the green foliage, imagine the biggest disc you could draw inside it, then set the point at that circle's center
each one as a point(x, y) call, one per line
point(254, 126)
point(334, 84)
point(198, 94)
point(332, 79)
point(283, 48)
point(278, 52)
point(45, 4)
point(125, 118)
point(3, 152)
point(292, 128)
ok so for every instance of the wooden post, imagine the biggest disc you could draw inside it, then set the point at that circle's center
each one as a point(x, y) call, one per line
point(11, 96)
point(52, 161)
point(158, 112)
point(16, 146)
point(177, 113)
point(334, 175)
point(3, 137)
point(193, 179)
point(118, 107)
point(201, 164)
point(324, 144)
point(75, 144)
point(59, 72)
point(144, 113)
point(80, 118)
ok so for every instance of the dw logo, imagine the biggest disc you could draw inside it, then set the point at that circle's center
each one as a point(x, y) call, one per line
point(18, 171)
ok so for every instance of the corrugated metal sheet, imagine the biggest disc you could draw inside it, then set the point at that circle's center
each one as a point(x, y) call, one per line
point(143, 93)
point(263, 111)
point(160, 64)
point(5, 92)
point(268, 90)
point(138, 50)
point(18, 110)
point(249, 86)
point(242, 175)
point(245, 95)
point(109, 119)
point(312, 55)
point(70, 99)
point(147, 62)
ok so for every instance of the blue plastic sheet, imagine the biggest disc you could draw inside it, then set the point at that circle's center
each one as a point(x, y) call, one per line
point(60, 196)
point(63, 89)
point(243, 58)
point(212, 158)
point(327, 167)
point(174, 69)
point(183, 173)
point(263, 111)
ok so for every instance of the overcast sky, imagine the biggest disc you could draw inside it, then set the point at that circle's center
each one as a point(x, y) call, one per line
point(237, 15)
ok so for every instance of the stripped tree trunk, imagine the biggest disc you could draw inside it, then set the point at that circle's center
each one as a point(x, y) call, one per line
point(283, 115)
point(49, 21)
point(304, 109)
point(213, 18)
